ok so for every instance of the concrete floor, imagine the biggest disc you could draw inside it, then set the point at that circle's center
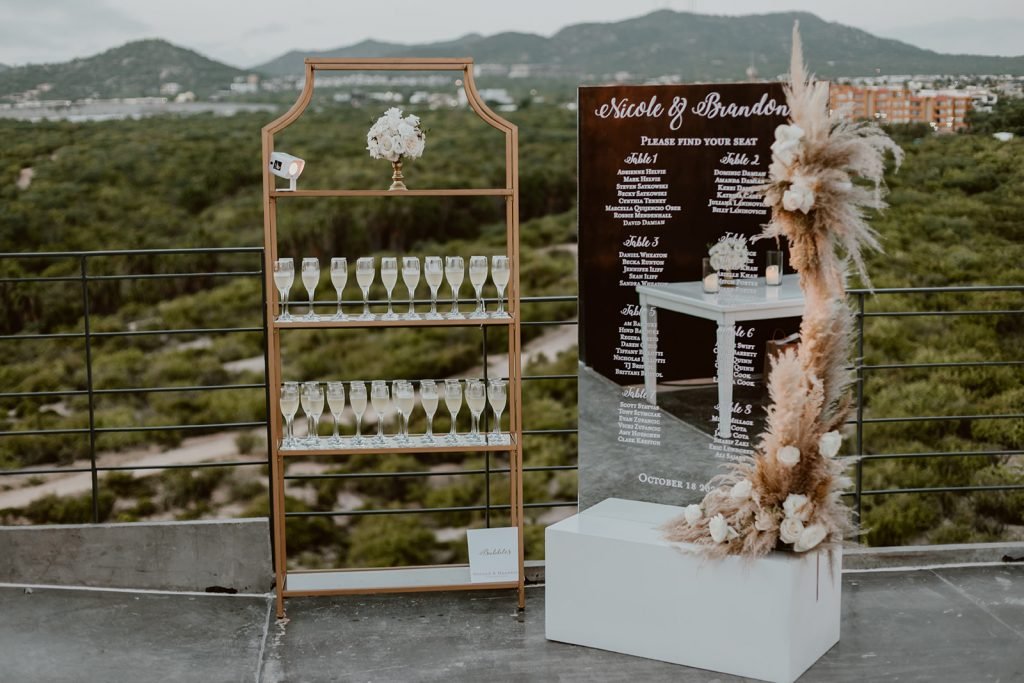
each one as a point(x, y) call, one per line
point(952, 624)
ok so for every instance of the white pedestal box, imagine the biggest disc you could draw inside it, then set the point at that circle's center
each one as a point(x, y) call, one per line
point(613, 582)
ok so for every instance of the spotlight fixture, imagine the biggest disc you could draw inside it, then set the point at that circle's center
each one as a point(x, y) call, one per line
point(286, 166)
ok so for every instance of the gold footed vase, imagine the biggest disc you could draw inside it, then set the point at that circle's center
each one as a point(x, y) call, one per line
point(397, 177)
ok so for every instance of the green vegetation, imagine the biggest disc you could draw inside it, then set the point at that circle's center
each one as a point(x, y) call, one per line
point(168, 182)
point(956, 219)
point(1007, 117)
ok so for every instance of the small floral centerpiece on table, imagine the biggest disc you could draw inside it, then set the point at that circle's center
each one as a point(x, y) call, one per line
point(826, 174)
point(395, 137)
point(728, 255)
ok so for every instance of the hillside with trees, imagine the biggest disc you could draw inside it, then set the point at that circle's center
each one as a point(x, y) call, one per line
point(136, 69)
point(697, 47)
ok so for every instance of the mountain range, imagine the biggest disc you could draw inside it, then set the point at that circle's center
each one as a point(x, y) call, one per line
point(696, 47)
point(136, 69)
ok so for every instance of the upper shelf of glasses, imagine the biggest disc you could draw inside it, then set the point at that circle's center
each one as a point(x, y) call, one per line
point(454, 192)
point(355, 322)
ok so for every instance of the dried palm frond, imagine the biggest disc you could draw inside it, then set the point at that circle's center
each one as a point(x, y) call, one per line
point(826, 174)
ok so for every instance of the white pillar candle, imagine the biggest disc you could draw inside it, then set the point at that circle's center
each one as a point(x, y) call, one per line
point(711, 283)
point(772, 276)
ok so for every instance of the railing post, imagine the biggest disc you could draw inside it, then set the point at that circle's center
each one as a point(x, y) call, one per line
point(859, 479)
point(487, 454)
point(269, 400)
point(84, 274)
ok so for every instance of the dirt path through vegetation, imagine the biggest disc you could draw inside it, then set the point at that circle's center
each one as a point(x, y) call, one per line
point(214, 447)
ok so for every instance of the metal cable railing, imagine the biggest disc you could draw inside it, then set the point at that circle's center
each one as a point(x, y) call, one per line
point(865, 370)
point(84, 278)
point(90, 392)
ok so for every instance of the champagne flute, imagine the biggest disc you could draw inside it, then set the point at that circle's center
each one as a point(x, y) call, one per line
point(499, 274)
point(380, 398)
point(339, 277)
point(310, 279)
point(455, 271)
point(313, 406)
point(336, 402)
point(453, 401)
point(428, 398)
point(389, 276)
point(433, 271)
point(289, 406)
point(357, 395)
point(497, 396)
point(476, 399)
point(405, 397)
point(284, 276)
point(364, 277)
point(477, 277)
point(411, 278)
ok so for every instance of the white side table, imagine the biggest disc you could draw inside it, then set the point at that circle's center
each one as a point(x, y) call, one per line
point(727, 307)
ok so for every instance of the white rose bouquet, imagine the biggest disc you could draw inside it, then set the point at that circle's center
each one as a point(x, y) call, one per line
point(395, 137)
point(729, 253)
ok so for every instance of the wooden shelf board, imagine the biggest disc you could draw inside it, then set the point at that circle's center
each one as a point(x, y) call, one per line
point(357, 324)
point(397, 580)
point(394, 447)
point(455, 192)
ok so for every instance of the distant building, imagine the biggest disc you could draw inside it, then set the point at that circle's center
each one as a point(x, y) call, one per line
point(496, 96)
point(943, 110)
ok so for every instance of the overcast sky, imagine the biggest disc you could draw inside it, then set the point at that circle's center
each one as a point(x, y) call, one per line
point(248, 32)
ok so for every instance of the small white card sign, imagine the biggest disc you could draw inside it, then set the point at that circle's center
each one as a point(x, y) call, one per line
point(493, 554)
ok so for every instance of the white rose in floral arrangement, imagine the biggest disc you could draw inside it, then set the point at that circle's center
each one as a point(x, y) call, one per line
point(692, 513)
point(741, 490)
point(786, 147)
point(720, 530)
point(766, 520)
point(797, 506)
point(790, 530)
point(788, 455)
point(799, 196)
point(729, 253)
point(393, 137)
point(829, 444)
point(810, 537)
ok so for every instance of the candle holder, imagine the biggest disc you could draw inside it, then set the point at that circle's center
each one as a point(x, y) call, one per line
point(710, 278)
point(773, 268)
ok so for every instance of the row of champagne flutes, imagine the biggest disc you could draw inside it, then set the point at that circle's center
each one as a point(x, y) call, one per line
point(400, 397)
point(435, 271)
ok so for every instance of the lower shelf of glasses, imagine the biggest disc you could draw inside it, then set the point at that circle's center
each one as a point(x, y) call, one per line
point(389, 580)
point(377, 320)
point(393, 444)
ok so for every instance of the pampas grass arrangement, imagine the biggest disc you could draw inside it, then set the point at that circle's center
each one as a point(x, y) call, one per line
point(825, 175)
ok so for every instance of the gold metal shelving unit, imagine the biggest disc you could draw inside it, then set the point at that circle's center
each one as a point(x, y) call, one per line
point(391, 579)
